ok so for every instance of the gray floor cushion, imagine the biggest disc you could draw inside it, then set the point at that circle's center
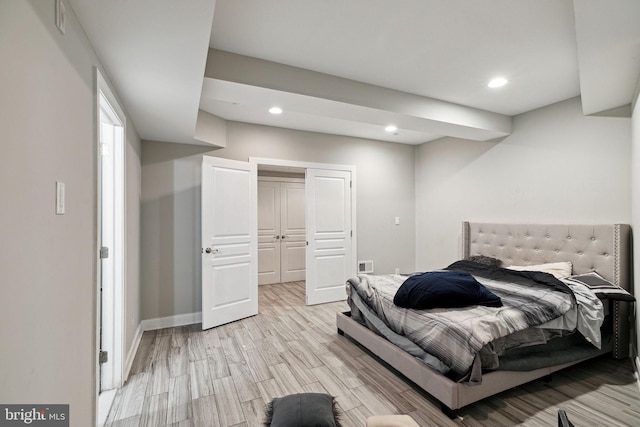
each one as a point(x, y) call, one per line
point(302, 410)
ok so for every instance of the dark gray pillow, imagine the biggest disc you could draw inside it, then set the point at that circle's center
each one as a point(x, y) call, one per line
point(303, 409)
point(485, 260)
point(603, 288)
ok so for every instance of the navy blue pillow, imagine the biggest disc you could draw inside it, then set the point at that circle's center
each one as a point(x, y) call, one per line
point(444, 289)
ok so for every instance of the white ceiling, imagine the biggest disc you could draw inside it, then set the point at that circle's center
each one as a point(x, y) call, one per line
point(154, 52)
point(350, 67)
point(441, 49)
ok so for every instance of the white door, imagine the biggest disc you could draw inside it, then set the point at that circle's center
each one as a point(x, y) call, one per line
point(229, 241)
point(292, 232)
point(329, 232)
point(268, 232)
point(111, 236)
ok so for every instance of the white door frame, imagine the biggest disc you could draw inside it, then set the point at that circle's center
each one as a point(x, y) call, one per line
point(115, 311)
point(260, 161)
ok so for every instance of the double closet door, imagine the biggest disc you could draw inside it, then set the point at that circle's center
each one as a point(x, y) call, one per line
point(281, 231)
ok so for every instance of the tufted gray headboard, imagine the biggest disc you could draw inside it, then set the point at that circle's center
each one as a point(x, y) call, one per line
point(602, 248)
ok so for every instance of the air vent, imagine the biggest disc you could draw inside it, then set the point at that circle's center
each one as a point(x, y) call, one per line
point(365, 266)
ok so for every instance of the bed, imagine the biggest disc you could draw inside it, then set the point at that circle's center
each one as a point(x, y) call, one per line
point(601, 248)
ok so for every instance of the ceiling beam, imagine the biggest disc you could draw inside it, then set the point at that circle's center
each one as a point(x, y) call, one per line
point(229, 75)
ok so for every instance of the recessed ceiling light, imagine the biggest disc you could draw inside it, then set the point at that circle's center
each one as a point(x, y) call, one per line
point(391, 128)
point(498, 82)
point(275, 110)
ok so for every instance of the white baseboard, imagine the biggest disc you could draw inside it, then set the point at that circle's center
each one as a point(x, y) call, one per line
point(131, 354)
point(105, 400)
point(171, 321)
point(637, 373)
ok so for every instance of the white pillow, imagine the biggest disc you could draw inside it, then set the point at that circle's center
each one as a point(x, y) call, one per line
point(558, 269)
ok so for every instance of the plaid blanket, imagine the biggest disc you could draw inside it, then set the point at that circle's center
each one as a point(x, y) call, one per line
point(455, 336)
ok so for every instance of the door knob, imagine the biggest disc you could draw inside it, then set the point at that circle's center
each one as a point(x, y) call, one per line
point(277, 237)
point(284, 237)
point(211, 251)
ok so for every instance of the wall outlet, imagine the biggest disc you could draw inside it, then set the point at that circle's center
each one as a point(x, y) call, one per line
point(365, 266)
point(397, 271)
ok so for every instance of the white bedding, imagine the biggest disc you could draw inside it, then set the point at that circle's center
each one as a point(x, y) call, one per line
point(586, 317)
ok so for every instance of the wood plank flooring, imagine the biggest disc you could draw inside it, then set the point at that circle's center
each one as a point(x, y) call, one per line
point(186, 377)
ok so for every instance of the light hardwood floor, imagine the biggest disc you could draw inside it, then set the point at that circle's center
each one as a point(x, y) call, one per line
point(186, 377)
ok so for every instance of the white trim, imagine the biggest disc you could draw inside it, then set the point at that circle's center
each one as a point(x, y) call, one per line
point(298, 164)
point(280, 179)
point(131, 354)
point(96, 301)
point(636, 96)
point(105, 401)
point(101, 86)
point(116, 330)
point(171, 321)
point(110, 96)
point(637, 371)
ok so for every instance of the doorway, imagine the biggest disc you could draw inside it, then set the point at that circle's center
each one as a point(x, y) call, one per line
point(281, 229)
point(230, 234)
point(330, 225)
point(111, 237)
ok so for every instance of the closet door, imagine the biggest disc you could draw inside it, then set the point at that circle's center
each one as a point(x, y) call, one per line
point(269, 207)
point(292, 232)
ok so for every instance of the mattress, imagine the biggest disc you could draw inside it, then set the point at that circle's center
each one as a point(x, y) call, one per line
point(526, 348)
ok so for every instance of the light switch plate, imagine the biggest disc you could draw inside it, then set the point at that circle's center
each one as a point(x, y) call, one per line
point(60, 194)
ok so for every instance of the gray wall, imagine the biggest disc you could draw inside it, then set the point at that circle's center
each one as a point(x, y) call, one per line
point(171, 204)
point(48, 262)
point(558, 166)
point(635, 206)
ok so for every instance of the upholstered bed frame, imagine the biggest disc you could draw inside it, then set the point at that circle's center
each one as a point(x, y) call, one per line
point(603, 248)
